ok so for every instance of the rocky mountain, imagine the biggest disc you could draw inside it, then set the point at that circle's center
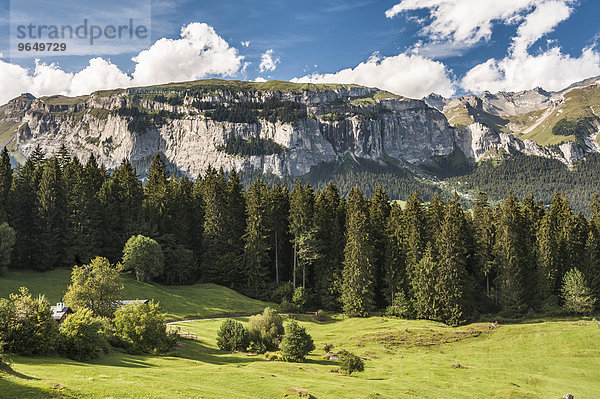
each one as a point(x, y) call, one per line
point(286, 129)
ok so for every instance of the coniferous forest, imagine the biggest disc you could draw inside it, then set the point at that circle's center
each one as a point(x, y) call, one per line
point(353, 254)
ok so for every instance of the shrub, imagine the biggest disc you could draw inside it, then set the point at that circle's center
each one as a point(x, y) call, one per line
point(27, 325)
point(144, 256)
point(232, 336)
point(300, 298)
point(287, 307)
point(402, 307)
point(265, 331)
point(83, 336)
point(296, 343)
point(350, 363)
point(327, 348)
point(283, 292)
point(576, 294)
point(141, 327)
point(95, 286)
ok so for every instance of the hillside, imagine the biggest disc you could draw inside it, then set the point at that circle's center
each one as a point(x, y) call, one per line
point(403, 359)
point(178, 302)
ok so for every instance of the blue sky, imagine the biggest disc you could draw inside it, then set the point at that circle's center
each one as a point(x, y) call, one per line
point(411, 47)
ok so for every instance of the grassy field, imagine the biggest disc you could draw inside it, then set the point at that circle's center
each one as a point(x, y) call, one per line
point(403, 359)
point(179, 302)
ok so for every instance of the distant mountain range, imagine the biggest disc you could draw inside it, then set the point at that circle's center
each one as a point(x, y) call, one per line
point(287, 130)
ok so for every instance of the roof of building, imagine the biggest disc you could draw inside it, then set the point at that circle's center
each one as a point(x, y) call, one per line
point(59, 311)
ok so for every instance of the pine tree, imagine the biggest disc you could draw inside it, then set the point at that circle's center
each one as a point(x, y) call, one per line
point(24, 215)
point(423, 286)
point(329, 224)
point(155, 195)
point(121, 199)
point(279, 210)
point(395, 256)
point(256, 238)
point(358, 288)
point(451, 276)
point(235, 213)
point(6, 179)
point(510, 257)
point(416, 233)
point(379, 213)
point(51, 200)
point(533, 214)
point(301, 220)
point(483, 223)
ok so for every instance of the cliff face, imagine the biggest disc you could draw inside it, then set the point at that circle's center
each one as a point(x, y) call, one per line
point(364, 122)
point(194, 123)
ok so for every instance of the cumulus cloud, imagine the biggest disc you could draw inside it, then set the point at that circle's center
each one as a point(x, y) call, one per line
point(408, 75)
point(454, 26)
point(260, 79)
point(551, 70)
point(268, 63)
point(199, 52)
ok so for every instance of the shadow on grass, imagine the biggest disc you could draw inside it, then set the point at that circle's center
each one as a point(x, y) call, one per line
point(198, 351)
point(11, 389)
point(124, 360)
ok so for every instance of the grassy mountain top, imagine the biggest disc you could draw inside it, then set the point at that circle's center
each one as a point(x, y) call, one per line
point(179, 302)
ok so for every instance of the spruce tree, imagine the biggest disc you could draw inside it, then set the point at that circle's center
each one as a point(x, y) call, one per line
point(301, 220)
point(379, 213)
point(51, 206)
point(395, 278)
point(358, 287)
point(155, 195)
point(511, 257)
point(6, 179)
point(256, 238)
point(416, 233)
point(484, 229)
point(451, 277)
point(423, 286)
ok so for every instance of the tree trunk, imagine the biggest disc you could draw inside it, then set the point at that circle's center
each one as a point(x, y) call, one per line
point(276, 260)
point(295, 253)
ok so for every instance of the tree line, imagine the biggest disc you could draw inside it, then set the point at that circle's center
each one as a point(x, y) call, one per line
point(355, 254)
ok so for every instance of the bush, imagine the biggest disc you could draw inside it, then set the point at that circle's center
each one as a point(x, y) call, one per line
point(296, 343)
point(287, 307)
point(576, 294)
point(300, 298)
point(232, 336)
point(83, 336)
point(402, 307)
point(283, 292)
point(141, 327)
point(26, 324)
point(144, 256)
point(265, 331)
point(350, 363)
point(327, 348)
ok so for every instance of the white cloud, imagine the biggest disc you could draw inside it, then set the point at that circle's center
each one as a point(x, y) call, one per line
point(246, 43)
point(199, 52)
point(260, 79)
point(268, 63)
point(464, 23)
point(454, 26)
point(407, 75)
point(551, 70)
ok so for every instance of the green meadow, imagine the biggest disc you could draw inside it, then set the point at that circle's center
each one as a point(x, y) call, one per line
point(403, 358)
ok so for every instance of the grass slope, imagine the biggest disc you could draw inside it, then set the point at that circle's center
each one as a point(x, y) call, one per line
point(578, 104)
point(179, 302)
point(529, 360)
